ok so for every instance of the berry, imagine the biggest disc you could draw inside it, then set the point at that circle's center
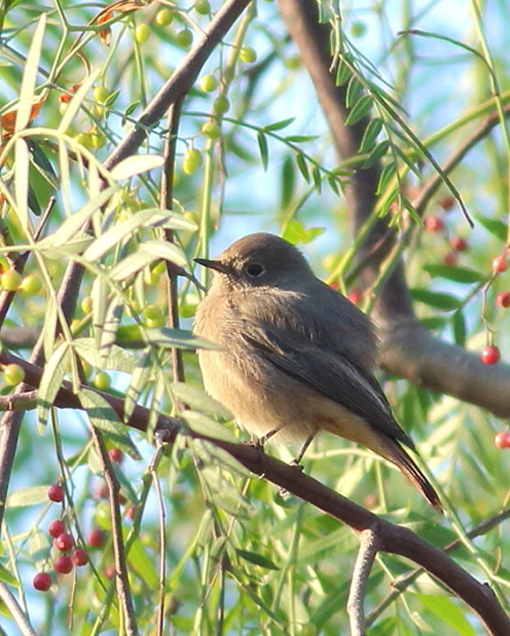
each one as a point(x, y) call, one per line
point(95, 537)
point(10, 280)
point(109, 572)
point(358, 29)
point(221, 105)
point(502, 440)
point(354, 296)
point(30, 285)
point(86, 305)
point(56, 528)
point(64, 542)
point(458, 244)
point(164, 17)
point(208, 83)
point(142, 33)
point(247, 54)
point(490, 354)
point(63, 564)
point(191, 161)
point(131, 512)
point(13, 374)
point(42, 582)
point(433, 224)
point(116, 455)
point(503, 299)
point(79, 557)
point(211, 129)
point(450, 259)
point(184, 38)
point(202, 6)
point(56, 493)
point(100, 94)
point(447, 203)
point(101, 381)
point(499, 264)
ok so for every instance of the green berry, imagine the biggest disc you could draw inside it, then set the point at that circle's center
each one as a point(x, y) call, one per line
point(142, 33)
point(31, 285)
point(101, 381)
point(221, 105)
point(208, 83)
point(247, 54)
point(184, 38)
point(191, 161)
point(13, 374)
point(10, 280)
point(100, 94)
point(211, 129)
point(164, 17)
point(202, 6)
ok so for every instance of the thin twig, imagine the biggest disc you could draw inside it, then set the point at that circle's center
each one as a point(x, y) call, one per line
point(369, 545)
point(17, 614)
point(19, 401)
point(121, 570)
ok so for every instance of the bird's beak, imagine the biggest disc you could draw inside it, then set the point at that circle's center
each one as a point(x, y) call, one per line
point(216, 265)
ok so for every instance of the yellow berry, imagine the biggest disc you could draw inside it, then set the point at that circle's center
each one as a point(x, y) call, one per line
point(150, 278)
point(208, 83)
point(13, 374)
point(221, 105)
point(142, 33)
point(211, 129)
point(101, 381)
point(86, 305)
point(84, 139)
point(191, 161)
point(164, 17)
point(31, 284)
point(100, 94)
point(247, 54)
point(10, 280)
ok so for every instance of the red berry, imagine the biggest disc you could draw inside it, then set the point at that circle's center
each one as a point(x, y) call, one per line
point(95, 537)
point(490, 354)
point(116, 455)
point(502, 440)
point(450, 259)
point(109, 572)
point(499, 264)
point(433, 224)
point(79, 557)
point(42, 581)
point(503, 299)
point(131, 512)
point(56, 493)
point(56, 528)
point(458, 244)
point(64, 542)
point(355, 296)
point(447, 203)
point(334, 285)
point(63, 564)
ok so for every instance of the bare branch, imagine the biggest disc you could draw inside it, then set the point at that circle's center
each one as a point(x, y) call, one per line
point(369, 545)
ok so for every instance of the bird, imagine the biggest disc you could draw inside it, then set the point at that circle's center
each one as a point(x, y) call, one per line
point(294, 356)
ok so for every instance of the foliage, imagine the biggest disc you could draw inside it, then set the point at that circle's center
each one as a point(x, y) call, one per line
point(252, 152)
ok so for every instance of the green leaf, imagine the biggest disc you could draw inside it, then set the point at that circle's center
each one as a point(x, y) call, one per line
point(198, 400)
point(279, 124)
point(459, 328)
point(360, 109)
point(449, 613)
point(377, 153)
point(166, 250)
point(370, 135)
point(296, 233)
point(139, 382)
point(354, 92)
point(51, 381)
point(494, 226)
point(457, 274)
point(302, 166)
point(263, 149)
point(132, 264)
point(112, 359)
point(343, 73)
point(7, 577)
point(32, 496)
point(257, 559)
point(134, 165)
point(446, 302)
point(42, 164)
point(288, 182)
point(27, 91)
point(74, 223)
point(75, 104)
point(177, 338)
point(387, 173)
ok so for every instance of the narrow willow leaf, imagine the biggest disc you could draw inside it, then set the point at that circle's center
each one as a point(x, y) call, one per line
point(75, 104)
point(360, 109)
point(42, 164)
point(343, 73)
point(263, 149)
point(354, 92)
point(257, 559)
point(370, 135)
point(279, 124)
point(198, 400)
point(446, 302)
point(51, 381)
point(287, 181)
point(7, 577)
point(178, 338)
point(32, 496)
point(457, 274)
point(136, 164)
point(114, 359)
point(139, 382)
point(303, 168)
point(165, 250)
point(377, 153)
point(459, 328)
point(205, 425)
point(131, 265)
point(27, 91)
point(99, 297)
point(21, 170)
point(73, 224)
point(387, 173)
point(496, 227)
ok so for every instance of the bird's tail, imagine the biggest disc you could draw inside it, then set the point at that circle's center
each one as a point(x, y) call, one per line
point(399, 457)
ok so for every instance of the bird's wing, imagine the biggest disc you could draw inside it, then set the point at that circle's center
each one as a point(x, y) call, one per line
point(328, 373)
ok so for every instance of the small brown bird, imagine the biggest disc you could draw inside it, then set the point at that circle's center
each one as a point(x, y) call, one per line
point(296, 356)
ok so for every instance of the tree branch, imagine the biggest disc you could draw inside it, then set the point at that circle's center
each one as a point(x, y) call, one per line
point(368, 547)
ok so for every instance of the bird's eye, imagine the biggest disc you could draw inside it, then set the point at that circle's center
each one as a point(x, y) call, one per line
point(254, 270)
